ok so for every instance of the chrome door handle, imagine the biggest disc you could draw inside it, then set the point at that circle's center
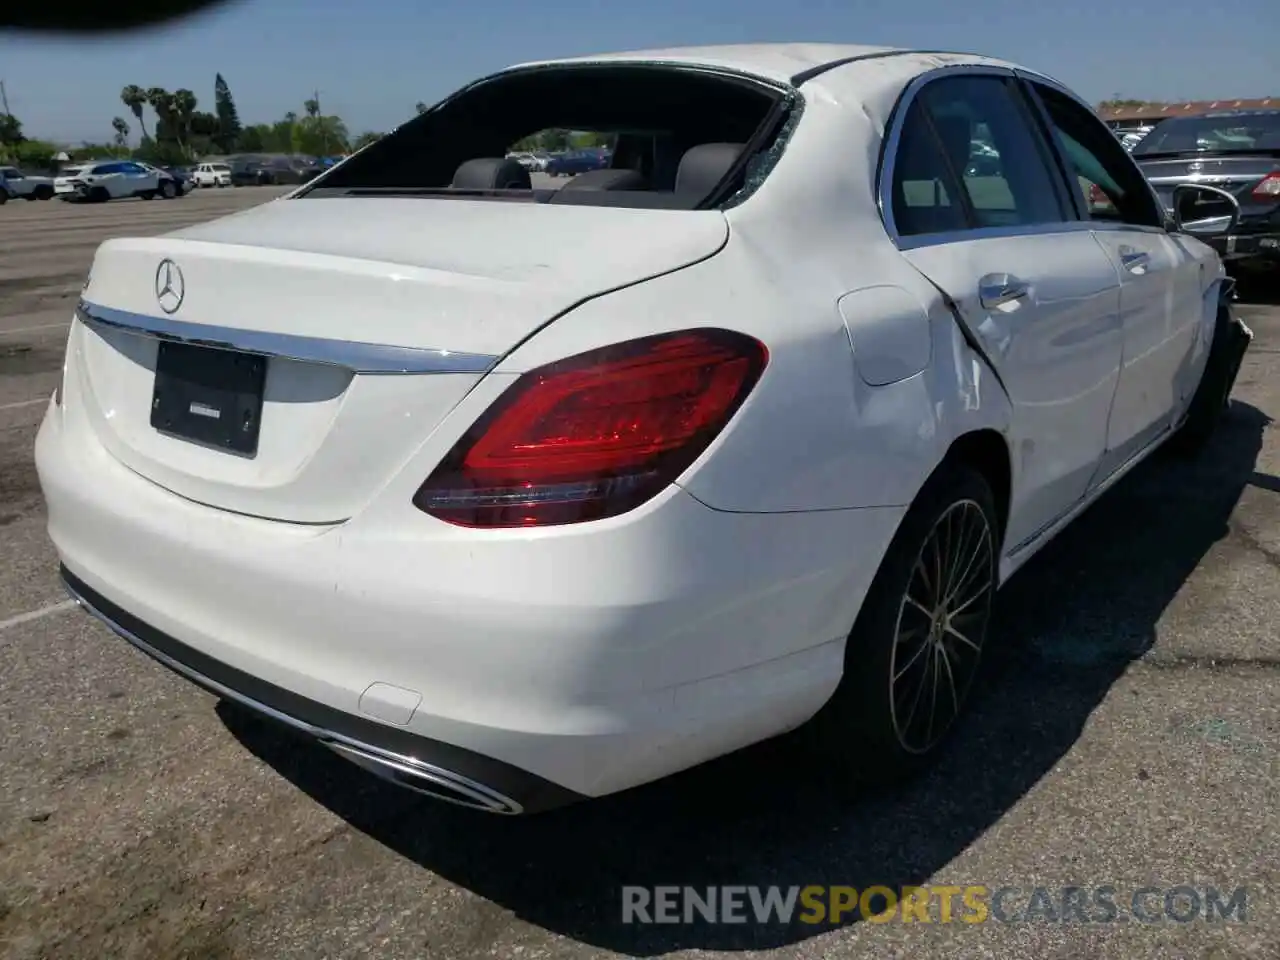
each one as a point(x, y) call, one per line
point(1134, 260)
point(997, 289)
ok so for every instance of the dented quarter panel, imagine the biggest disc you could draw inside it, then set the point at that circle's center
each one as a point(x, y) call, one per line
point(832, 440)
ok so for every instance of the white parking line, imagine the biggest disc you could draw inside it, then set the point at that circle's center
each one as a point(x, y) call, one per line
point(39, 326)
point(23, 403)
point(30, 615)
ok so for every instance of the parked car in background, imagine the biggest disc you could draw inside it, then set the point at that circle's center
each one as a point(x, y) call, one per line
point(1130, 135)
point(181, 176)
point(211, 175)
point(114, 180)
point(6, 192)
point(517, 497)
point(263, 170)
point(576, 161)
point(1237, 151)
point(533, 162)
point(26, 186)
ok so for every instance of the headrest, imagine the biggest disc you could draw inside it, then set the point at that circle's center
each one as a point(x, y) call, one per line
point(607, 180)
point(485, 173)
point(705, 165)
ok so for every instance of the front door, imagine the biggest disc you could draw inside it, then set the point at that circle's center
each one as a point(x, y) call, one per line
point(1160, 311)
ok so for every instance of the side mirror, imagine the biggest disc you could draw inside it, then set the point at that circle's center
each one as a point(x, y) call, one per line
point(1204, 211)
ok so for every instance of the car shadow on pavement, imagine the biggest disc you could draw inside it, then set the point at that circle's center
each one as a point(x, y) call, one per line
point(1069, 625)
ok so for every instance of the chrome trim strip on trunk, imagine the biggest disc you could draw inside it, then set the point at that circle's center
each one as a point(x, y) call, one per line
point(401, 770)
point(356, 356)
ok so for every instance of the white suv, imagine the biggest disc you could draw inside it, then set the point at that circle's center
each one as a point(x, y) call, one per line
point(211, 175)
point(114, 180)
point(21, 185)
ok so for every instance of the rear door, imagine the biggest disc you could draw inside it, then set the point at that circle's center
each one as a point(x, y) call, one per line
point(976, 207)
point(1160, 276)
point(139, 179)
point(110, 176)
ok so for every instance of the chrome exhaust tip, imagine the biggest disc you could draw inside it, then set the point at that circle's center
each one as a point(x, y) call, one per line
point(427, 779)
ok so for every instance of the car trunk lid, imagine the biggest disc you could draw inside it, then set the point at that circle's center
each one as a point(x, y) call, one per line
point(375, 316)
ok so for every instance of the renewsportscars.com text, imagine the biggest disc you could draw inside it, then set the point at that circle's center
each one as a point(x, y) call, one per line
point(971, 904)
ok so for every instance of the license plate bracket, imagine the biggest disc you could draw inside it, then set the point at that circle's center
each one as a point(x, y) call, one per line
point(209, 396)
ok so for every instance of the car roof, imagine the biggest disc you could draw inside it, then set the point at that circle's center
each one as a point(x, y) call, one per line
point(776, 61)
point(788, 63)
point(1220, 114)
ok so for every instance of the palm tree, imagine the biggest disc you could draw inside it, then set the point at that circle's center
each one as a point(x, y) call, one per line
point(312, 107)
point(161, 101)
point(183, 105)
point(135, 98)
point(122, 131)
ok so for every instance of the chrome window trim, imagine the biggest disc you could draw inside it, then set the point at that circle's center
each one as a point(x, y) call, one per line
point(992, 233)
point(889, 157)
point(353, 355)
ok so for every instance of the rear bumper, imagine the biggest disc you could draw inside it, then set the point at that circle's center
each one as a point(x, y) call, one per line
point(1260, 247)
point(428, 766)
point(539, 665)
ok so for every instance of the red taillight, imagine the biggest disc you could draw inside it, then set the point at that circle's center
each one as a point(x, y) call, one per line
point(1097, 198)
point(1268, 188)
point(597, 434)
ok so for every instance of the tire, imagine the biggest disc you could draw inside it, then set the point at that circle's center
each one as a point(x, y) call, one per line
point(1213, 393)
point(31, 197)
point(873, 731)
point(148, 195)
point(43, 193)
point(4, 197)
point(168, 190)
point(99, 195)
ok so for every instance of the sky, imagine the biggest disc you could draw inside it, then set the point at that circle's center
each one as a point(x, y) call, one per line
point(372, 61)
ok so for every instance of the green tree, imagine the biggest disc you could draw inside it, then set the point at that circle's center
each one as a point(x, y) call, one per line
point(254, 139)
point(229, 128)
point(312, 108)
point(420, 108)
point(321, 136)
point(135, 98)
point(184, 107)
point(122, 131)
point(365, 139)
point(161, 101)
point(284, 135)
point(32, 154)
point(10, 130)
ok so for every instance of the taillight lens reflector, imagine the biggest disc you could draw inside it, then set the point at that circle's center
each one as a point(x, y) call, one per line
point(1268, 189)
point(597, 434)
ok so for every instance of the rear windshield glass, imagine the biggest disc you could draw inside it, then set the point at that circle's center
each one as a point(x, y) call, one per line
point(628, 135)
point(1220, 134)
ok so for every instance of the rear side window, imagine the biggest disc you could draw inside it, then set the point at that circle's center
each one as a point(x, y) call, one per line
point(925, 196)
point(992, 145)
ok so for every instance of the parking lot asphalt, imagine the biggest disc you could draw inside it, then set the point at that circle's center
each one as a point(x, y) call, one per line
point(1127, 735)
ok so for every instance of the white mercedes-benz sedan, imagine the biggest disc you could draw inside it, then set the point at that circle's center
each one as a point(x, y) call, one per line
point(520, 496)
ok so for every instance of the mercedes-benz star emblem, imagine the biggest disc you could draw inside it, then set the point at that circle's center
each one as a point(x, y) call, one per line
point(170, 287)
